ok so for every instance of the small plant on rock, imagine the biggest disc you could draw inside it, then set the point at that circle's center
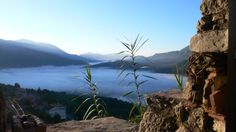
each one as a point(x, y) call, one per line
point(179, 77)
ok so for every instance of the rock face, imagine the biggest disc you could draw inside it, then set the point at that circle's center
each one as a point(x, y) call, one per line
point(212, 28)
point(212, 41)
point(202, 107)
point(207, 70)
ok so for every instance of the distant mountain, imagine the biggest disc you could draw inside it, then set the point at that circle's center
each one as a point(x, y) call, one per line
point(102, 57)
point(167, 62)
point(161, 62)
point(25, 53)
point(172, 57)
point(50, 48)
point(40, 46)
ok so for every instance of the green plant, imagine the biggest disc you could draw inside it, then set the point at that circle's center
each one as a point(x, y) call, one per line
point(132, 48)
point(179, 77)
point(97, 108)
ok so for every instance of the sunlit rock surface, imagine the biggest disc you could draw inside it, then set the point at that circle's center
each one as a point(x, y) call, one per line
point(107, 124)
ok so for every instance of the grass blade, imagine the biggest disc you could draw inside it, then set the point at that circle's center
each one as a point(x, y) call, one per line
point(81, 95)
point(142, 82)
point(132, 110)
point(82, 104)
point(87, 116)
point(122, 52)
point(150, 77)
point(141, 46)
point(126, 45)
point(95, 117)
point(88, 110)
point(126, 94)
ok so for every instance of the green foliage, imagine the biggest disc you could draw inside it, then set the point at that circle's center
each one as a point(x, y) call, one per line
point(97, 107)
point(48, 98)
point(179, 77)
point(57, 118)
point(136, 112)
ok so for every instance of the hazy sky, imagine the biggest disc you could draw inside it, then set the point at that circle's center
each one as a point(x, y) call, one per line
point(80, 26)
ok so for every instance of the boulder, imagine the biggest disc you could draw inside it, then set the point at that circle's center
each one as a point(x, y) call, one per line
point(27, 123)
point(211, 41)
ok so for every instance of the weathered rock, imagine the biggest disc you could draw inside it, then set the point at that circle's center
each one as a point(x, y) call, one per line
point(160, 115)
point(168, 114)
point(153, 122)
point(214, 90)
point(212, 22)
point(173, 93)
point(107, 124)
point(181, 112)
point(207, 79)
point(188, 90)
point(206, 71)
point(27, 123)
point(212, 41)
point(214, 6)
point(192, 118)
point(196, 119)
point(182, 128)
point(159, 103)
point(219, 126)
point(217, 101)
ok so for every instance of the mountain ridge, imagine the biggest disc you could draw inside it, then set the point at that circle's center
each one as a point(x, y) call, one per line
point(27, 53)
point(160, 62)
point(15, 54)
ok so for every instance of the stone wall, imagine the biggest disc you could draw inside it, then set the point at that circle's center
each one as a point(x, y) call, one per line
point(203, 107)
point(207, 70)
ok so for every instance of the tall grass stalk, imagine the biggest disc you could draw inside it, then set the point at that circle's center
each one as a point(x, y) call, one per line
point(131, 55)
point(97, 108)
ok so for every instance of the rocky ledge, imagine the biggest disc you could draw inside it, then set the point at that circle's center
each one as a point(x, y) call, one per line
point(107, 124)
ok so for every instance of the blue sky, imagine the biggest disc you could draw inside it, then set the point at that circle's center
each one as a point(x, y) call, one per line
point(80, 26)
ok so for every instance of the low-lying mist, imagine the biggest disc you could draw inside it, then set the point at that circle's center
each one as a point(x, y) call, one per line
point(71, 79)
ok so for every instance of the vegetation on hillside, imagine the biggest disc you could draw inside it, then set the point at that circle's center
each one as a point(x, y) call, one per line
point(39, 101)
